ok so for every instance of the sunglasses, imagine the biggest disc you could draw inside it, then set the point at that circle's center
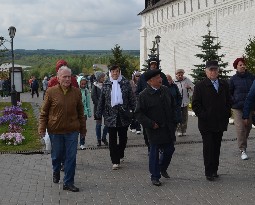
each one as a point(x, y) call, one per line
point(137, 75)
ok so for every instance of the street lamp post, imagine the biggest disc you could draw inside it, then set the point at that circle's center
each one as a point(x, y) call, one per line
point(157, 40)
point(12, 31)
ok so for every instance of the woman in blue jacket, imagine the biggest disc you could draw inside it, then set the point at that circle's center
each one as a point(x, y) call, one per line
point(239, 86)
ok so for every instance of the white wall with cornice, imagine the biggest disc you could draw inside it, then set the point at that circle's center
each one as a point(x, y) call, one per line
point(233, 21)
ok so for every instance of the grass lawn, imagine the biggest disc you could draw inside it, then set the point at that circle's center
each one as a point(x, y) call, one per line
point(32, 141)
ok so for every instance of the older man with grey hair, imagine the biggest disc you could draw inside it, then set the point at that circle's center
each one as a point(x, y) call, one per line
point(211, 104)
point(63, 116)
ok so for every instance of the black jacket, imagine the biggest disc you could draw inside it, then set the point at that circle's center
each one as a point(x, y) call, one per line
point(212, 109)
point(157, 106)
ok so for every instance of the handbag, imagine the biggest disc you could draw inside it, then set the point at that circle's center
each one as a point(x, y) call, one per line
point(127, 114)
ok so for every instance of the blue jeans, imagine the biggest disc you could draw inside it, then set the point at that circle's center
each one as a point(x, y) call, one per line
point(98, 130)
point(156, 163)
point(64, 145)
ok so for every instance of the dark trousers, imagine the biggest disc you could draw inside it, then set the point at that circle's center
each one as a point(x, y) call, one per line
point(117, 150)
point(135, 125)
point(211, 151)
point(44, 91)
point(160, 162)
point(35, 91)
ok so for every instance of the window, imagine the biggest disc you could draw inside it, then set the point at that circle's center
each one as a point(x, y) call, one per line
point(191, 6)
point(184, 6)
point(198, 4)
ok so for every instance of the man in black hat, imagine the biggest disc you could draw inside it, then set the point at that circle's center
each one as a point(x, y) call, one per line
point(142, 84)
point(211, 104)
point(155, 111)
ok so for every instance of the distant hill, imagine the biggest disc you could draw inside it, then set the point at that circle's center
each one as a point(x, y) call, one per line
point(53, 52)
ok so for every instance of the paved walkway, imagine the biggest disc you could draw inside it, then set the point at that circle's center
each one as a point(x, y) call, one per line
point(27, 179)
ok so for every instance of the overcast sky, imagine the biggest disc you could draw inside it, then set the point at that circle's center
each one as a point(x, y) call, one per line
point(72, 24)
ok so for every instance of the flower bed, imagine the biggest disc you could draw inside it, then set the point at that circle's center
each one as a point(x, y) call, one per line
point(15, 117)
point(18, 128)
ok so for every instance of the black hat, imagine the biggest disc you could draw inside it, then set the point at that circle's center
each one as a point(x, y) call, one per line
point(151, 73)
point(212, 64)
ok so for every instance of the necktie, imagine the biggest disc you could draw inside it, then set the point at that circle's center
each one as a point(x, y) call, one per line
point(216, 85)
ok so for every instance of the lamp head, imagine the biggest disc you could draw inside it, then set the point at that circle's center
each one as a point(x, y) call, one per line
point(157, 38)
point(12, 31)
point(1, 40)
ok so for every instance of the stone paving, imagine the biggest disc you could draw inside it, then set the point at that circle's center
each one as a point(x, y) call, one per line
point(27, 179)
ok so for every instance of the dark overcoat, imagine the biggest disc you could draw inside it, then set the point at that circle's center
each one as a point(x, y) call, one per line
point(157, 107)
point(212, 108)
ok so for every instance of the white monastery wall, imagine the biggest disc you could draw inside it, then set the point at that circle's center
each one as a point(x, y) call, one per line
point(181, 24)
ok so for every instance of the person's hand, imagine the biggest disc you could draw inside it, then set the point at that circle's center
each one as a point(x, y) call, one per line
point(246, 122)
point(187, 86)
point(97, 118)
point(155, 126)
point(42, 135)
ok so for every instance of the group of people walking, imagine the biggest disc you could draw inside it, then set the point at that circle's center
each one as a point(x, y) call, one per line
point(153, 100)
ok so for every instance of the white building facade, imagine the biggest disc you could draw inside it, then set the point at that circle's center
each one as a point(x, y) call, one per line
point(181, 23)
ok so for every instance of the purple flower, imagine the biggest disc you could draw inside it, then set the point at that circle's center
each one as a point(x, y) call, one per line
point(13, 119)
point(12, 138)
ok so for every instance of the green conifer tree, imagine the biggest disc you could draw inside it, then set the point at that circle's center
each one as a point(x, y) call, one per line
point(209, 52)
point(122, 61)
point(249, 55)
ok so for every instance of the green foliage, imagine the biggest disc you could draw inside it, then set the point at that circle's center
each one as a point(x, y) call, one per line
point(209, 52)
point(43, 62)
point(249, 55)
point(126, 63)
point(32, 141)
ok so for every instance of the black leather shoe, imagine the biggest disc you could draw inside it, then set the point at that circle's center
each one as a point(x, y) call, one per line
point(71, 188)
point(165, 174)
point(156, 182)
point(215, 175)
point(56, 177)
point(210, 178)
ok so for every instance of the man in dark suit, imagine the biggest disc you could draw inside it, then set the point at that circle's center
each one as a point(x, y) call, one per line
point(155, 110)
point(211, 104)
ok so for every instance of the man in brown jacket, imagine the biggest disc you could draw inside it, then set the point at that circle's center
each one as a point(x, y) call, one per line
point(62, 115)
